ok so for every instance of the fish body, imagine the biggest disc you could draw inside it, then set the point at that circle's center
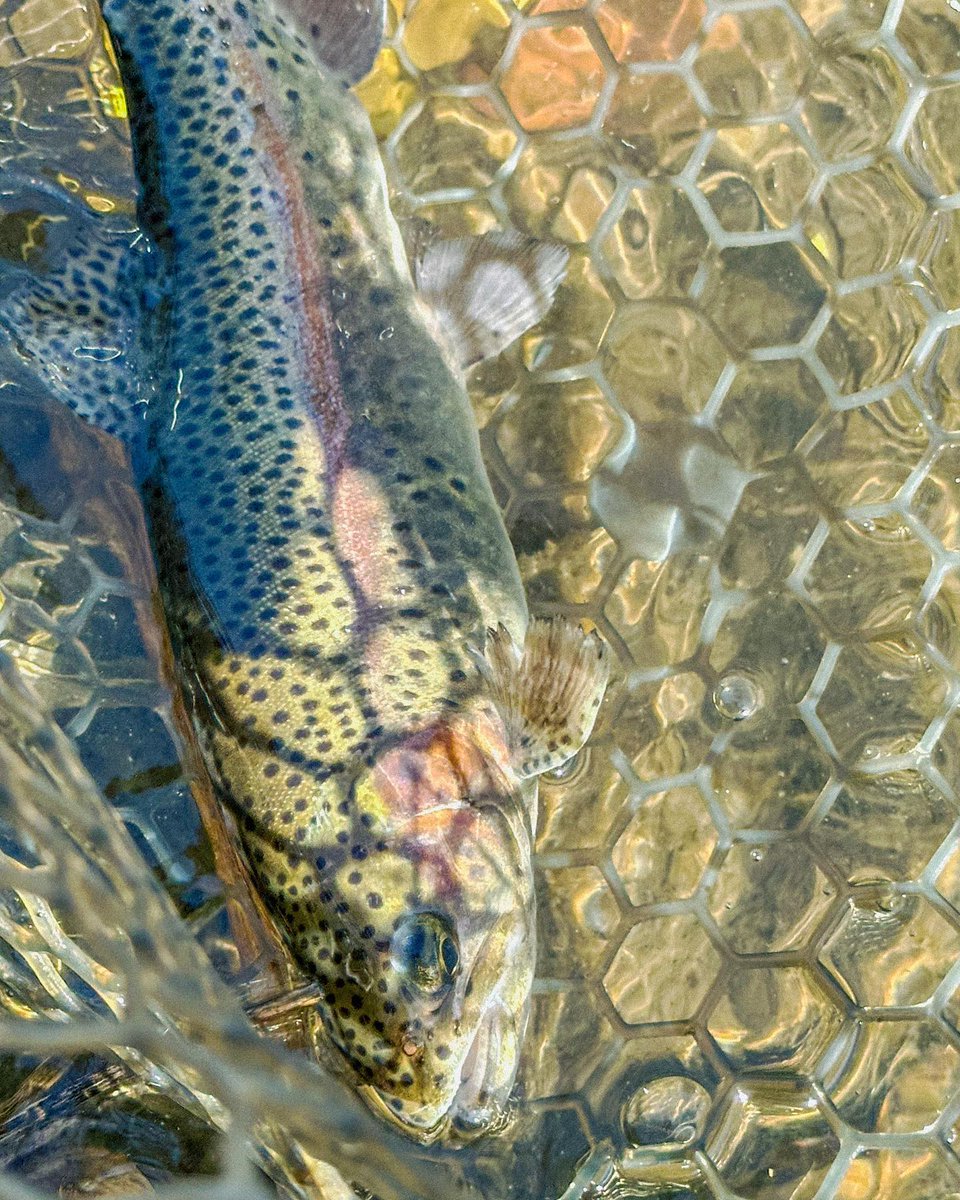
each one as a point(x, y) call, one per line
point(331, 558)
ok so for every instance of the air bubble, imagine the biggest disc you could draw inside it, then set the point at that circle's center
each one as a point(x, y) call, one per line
point(98, 353)
point(668, 1113)
point(736, 697)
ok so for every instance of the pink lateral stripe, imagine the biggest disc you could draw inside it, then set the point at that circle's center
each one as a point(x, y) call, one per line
point(325, 391)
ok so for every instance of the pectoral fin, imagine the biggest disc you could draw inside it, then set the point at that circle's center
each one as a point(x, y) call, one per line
point(345, 35)
point(549, 693)
point(487, 291)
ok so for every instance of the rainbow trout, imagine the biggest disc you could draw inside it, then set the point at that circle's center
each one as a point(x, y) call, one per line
point(343, 599)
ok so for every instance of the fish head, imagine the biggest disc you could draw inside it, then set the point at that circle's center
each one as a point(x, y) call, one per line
point(447, 963)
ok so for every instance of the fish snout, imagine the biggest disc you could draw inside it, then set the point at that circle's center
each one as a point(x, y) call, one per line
point(488, 1073)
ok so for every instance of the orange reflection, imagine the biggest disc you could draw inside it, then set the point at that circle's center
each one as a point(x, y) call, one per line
point(638, 31)
point(554, 80)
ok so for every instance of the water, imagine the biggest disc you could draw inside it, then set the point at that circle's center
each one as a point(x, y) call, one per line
point(101, 964)
point(732, 445)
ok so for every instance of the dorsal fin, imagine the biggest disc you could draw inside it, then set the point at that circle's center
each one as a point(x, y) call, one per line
point(345, 35)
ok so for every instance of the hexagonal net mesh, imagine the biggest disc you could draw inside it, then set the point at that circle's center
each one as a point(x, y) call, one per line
point(734, 445)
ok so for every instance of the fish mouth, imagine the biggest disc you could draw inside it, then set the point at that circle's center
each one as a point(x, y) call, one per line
point(479, 1106)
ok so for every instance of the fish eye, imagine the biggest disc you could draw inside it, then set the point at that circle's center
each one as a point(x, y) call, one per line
point(426, 952)
point(449, 956)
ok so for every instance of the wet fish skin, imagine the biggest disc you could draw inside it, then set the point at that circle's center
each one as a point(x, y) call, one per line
point(330, 554)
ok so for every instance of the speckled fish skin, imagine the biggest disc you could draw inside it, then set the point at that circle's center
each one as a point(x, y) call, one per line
point(330, 549)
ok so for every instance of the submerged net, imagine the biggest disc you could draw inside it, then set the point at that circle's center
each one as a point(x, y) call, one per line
point(733, 445)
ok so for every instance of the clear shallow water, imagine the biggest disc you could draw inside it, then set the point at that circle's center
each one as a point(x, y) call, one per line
point(733, 446)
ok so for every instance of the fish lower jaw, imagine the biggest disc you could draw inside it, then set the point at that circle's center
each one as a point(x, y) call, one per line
point(424, 1133)
point(462, 1124)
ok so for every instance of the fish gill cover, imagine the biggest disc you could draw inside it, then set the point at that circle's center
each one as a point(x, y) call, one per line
point(732, 444)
